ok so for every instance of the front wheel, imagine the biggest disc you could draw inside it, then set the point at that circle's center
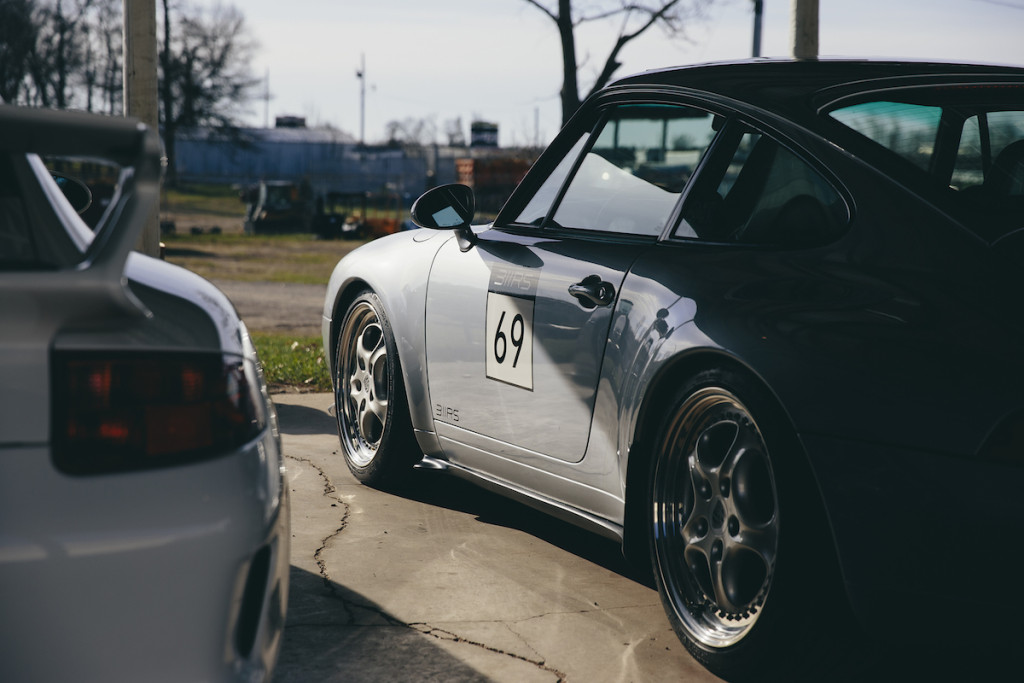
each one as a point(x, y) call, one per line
point(369, 396)
point(729, 533)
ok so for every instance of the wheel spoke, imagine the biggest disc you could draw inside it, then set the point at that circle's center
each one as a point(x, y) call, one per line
point(761, 541)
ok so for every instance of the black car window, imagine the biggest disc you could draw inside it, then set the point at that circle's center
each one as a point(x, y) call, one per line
point(964, 145)
point(909, 130)
point(975, 158)
point(630, 180)
point(765, 194)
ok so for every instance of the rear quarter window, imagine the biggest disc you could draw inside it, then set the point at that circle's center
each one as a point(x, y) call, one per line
point(959, 146)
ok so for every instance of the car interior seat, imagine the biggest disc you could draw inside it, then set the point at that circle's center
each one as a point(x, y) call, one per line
point(1006, 177)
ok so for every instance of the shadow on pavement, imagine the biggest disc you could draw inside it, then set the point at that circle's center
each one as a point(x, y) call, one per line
point(442, 490)
point(333, 634)
point(297, 419)
point(864, 660)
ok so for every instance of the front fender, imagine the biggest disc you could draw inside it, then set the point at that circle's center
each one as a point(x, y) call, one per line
point(396, 268)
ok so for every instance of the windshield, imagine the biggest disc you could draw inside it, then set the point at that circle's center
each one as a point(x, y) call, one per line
point(963, 146)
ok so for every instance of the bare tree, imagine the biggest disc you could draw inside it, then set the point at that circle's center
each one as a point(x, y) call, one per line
point(411, 131)
point(58, 54)
point(205, 76)
point(635, 19)
point(17, 40)
point(455, 132)
point(102, 59)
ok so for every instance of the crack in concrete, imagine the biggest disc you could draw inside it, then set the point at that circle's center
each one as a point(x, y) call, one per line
point(441, 634)
point(330, 491)
point(351, 607)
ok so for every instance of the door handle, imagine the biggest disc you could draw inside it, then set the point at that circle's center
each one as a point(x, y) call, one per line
point(593, 291)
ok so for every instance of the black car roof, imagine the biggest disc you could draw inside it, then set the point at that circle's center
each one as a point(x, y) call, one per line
point(798, 88)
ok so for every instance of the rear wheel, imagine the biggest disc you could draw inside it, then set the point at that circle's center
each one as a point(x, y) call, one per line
point(369, 396)
point(729, 532)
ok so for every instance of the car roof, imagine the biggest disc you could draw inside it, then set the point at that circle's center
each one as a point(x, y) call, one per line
point(797, 89)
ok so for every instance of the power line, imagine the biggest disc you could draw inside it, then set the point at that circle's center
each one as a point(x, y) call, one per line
point(1003, 3)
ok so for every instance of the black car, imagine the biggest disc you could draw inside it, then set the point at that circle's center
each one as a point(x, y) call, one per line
point(760, 322)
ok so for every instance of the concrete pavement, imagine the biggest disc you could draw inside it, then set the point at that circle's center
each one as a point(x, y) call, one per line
point(447, 582)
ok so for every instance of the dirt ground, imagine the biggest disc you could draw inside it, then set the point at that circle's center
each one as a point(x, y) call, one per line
point(249, 271)
point(277, 307)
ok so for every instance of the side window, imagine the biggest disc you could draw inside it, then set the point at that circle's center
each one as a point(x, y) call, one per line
point(539, 205)
point(765, 194)
point(975, 160)
point(970, 167)
point(631, 178)
point(909, 130)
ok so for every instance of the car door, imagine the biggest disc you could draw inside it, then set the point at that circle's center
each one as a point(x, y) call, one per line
point(516, 325)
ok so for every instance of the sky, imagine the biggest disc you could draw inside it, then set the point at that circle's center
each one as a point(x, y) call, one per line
point(499, 60)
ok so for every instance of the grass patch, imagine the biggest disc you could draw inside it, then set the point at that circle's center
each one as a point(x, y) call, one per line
point(293, 361)
point(216, 200)
point(300, 259)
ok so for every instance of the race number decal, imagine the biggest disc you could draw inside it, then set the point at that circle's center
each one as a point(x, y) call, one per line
point(509, 339)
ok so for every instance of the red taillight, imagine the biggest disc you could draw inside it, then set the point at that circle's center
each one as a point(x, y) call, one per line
point(141, 410)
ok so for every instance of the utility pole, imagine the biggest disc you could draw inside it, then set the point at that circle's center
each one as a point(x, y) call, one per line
point(266, 99)
point(361, 75)
point(140, 90)
point(805, 29)
point(758, 11)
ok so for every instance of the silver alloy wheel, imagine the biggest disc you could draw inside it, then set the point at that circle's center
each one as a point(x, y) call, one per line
point(716, 521)
point(363, 396)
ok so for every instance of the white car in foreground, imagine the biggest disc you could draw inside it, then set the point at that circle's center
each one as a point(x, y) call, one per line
point(144, 521)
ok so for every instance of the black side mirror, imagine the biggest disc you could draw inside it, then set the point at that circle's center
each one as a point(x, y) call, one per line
point(445, 208)
point(77, 193)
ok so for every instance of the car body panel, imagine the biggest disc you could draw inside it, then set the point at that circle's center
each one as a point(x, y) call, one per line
point(167, 573)
point(550, 413)
point(891, 348)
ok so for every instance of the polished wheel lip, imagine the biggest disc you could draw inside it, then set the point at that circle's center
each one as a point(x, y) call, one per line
point(703, 516)
point(362, 391)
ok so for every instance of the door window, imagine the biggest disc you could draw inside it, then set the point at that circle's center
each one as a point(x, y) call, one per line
point(539, 205)
point(631, 177)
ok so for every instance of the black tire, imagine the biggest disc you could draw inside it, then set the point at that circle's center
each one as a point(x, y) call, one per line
point(739, 548)
point(369, 396)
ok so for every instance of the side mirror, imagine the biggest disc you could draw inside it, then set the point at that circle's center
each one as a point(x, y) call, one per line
point(447, 207)
point(77, 193)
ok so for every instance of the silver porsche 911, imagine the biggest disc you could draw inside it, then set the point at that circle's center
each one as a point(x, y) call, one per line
point(760, 322)
point(144, 517)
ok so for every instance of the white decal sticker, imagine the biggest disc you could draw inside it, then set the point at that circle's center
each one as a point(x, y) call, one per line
point(509, 339)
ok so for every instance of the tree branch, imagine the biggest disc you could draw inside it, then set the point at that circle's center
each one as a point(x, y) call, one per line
point(542, 8)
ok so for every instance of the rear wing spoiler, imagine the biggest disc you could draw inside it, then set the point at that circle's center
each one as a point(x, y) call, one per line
point(124, 141)
point(97, 282)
